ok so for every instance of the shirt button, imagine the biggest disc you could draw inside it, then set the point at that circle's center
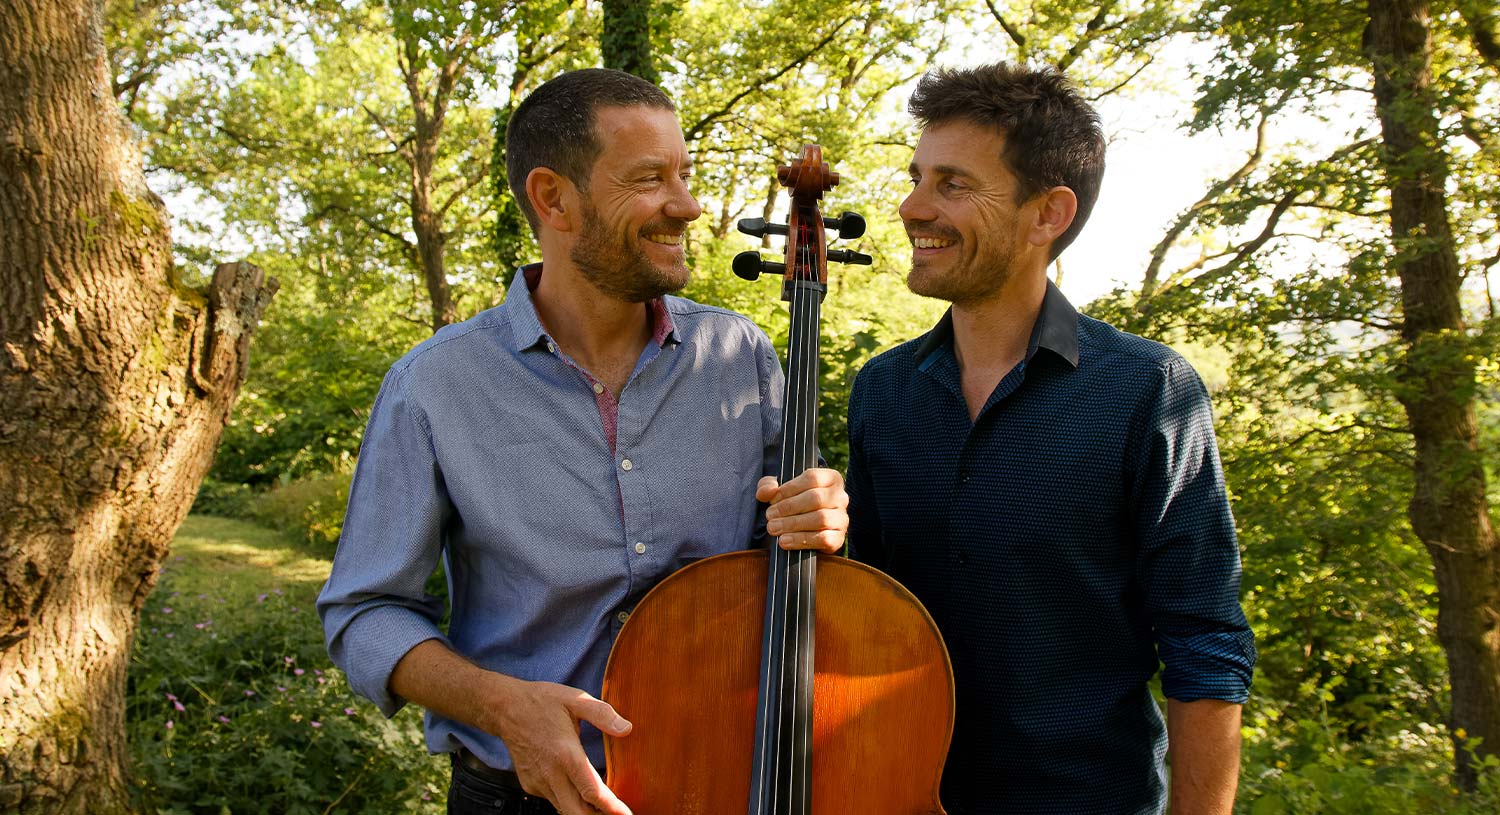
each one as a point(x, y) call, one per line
point(598, 388)
point(640, 548)
point(625, 465)
point(551, 347)
point(622, 616)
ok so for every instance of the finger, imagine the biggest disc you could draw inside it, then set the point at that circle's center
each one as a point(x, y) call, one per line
point(566, 800)
point(814, 520)
point(765, 489)
point(814, 478)
point(827, 541)
point(592, 792)
point(599, 714)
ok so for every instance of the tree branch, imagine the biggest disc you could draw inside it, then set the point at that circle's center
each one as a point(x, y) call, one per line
point(697, 129)
point(1010, 31)
point(407, 248)
point(469, 184)
point(1150, 58)
point(1267, 232)
point(1090, 32)
point(400, 145)
point(1186, 219)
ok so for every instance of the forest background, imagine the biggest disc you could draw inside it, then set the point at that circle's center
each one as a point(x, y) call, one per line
point(1329, 277)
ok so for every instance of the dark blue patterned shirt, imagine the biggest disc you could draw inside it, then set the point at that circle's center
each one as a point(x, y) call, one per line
point(1071, 537)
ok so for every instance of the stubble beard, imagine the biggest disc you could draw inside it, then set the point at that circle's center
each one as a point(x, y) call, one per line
point(619, 267)
point(966, 280)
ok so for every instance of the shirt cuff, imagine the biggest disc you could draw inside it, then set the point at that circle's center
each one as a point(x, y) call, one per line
point(1213, 665)
point(373, 642)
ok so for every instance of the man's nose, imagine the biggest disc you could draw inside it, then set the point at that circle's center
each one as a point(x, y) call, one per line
point(916, 206)
point(683, 205)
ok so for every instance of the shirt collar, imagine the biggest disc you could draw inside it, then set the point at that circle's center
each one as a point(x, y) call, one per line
point(528, 331)
point(1055, 329)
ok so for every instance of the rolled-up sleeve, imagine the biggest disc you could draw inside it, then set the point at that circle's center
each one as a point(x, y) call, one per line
point(374, 608)
point(1189, 564)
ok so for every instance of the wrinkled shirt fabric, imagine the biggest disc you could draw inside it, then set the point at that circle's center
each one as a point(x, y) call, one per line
point(490, 450)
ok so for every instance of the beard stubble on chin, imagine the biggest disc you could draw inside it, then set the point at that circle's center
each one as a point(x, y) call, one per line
point(620, 268)
point(965, 280)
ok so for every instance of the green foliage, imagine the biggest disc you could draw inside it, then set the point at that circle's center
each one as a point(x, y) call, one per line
point(1279, 286)
point(1405, 773)
point(625, 38)
point(310, 509)
point(223, 499)
point(232, 705)
point(317, 364)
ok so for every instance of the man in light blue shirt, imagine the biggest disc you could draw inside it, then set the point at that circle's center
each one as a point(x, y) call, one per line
point(563, 452)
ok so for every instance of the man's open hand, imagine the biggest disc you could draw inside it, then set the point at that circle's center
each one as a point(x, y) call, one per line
point(538, 721)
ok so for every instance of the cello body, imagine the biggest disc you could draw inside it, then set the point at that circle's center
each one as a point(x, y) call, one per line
point(882, 711)
point(778, 682)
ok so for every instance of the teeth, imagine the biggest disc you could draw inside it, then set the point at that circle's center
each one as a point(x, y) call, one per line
point(670, 240)
point(931, 243)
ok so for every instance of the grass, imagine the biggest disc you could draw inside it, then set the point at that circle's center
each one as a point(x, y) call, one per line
point(233, 705)
point(239, 560)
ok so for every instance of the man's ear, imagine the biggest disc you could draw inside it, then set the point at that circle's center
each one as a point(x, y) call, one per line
point(1055, 211)
point(553, 198)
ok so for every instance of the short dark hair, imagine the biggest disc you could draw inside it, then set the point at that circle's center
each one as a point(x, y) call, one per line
point(554, 126)
point(1052, 135)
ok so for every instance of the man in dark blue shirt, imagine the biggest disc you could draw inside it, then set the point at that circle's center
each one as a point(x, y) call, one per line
point(1047, 485)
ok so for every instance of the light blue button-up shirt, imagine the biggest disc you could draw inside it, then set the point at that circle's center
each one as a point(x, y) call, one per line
point(486, 447)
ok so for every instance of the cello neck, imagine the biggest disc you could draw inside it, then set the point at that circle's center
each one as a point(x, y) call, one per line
point(804, 292)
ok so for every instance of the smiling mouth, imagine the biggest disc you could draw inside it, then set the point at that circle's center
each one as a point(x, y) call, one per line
point(665, 239)
point(931, 243)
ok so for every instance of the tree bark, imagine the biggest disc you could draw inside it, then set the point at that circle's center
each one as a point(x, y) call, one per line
point(115, 382)
point(1449, 511)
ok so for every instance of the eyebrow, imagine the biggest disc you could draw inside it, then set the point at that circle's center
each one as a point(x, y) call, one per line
point(940, 169)
point(658, 164)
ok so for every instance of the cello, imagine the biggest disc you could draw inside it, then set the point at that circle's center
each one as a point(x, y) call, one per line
point(746, 695)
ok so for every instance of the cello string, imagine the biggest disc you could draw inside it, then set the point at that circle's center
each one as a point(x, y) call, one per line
point(793, 439)
point(794, 600)
point(779, 559)
point(796, 560)
point(809, 458)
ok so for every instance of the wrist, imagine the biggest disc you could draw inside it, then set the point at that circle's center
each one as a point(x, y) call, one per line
point(496, 697)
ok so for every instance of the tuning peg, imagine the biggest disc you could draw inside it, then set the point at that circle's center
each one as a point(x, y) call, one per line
point(750, 266)
point(759, 228)
point(849, 256)
point(850, 225)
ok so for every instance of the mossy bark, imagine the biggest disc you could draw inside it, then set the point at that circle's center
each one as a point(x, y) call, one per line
point(115, 381)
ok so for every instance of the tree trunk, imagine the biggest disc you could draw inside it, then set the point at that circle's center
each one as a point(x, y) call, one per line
point(431, 241)
point(1449, 511)
point(115, 381)
point(625, 41)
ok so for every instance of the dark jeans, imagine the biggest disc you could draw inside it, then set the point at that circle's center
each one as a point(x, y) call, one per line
point(473, 792)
